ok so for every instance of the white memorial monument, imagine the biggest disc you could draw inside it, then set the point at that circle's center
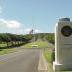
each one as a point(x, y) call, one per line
point(63, 45)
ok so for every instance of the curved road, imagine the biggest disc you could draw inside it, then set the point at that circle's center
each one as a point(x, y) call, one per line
point(25, 60)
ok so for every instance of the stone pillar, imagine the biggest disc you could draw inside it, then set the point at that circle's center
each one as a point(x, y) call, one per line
point(63, 45)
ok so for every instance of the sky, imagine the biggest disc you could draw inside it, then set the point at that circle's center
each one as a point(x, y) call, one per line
point(20, 16)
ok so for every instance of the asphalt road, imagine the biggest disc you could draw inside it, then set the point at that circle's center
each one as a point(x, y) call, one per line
point(23, 61)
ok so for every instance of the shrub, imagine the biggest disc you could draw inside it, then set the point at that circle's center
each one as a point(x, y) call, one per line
point(53, 56)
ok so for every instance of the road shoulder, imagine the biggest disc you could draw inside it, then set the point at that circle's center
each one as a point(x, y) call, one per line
point(43, 66)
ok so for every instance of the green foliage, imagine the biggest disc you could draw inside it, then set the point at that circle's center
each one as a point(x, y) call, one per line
point(13, 39)
point(45, 37)
point(50, 37)
point(49, 58)
point(16, 40)
point(9, 41)
point(28, 36)
point(50, 55)
point(47, 55)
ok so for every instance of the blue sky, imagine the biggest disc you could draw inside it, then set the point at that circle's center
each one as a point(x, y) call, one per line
point(18, 16)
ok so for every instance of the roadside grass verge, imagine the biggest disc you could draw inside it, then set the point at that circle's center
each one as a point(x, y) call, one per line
point(7, 51)
point(3, 45)
point(41, 44)
point(48, 56)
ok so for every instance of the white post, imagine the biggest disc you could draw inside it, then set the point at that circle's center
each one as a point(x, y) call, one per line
point(63, 45)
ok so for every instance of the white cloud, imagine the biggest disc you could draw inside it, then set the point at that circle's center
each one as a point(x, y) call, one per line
point(13, 24)
point(3, 21)
point(37, 30)
point(27, 30)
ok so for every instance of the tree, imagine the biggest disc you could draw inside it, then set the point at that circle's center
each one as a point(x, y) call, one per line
point(5, 38)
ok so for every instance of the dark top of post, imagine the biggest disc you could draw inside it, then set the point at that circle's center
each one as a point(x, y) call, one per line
point(64, 19)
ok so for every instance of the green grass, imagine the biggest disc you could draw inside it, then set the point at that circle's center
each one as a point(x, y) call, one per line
point(47, 54)
point(41, 44)
point(7, 51)
point(3, 45)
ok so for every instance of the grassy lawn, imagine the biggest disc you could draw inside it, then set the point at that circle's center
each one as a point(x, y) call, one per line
point(41, 44)
point(7, 51)
point(3, 45)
